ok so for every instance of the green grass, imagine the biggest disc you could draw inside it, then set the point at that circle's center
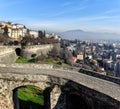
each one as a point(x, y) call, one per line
point(46, 60)
point(22, 60)
point(49, 60)
point(31, 93)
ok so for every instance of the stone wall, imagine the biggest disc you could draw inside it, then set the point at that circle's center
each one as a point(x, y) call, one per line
point(8, 53)
point(27, 66)
point(8, 58)
point(54, 95)
point(38, 50)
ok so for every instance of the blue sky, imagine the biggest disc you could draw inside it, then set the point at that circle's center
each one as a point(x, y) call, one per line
point(62, 15)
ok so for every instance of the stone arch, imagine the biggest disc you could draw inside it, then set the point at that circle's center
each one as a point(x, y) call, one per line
point(12, 85)
point(18, 51)
point(27, 103)
point(47, 86)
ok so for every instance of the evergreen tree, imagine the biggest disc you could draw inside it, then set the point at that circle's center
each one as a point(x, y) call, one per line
point(5, 31)
point(44, 33)
point(40, 34)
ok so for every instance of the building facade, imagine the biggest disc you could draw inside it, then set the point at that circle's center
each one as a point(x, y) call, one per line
point(17, 31)
point(33, 33)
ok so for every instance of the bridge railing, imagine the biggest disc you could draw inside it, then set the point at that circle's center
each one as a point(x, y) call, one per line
point(105, 77)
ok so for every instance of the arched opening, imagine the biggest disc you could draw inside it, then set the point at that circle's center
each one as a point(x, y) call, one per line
point(28, 97)
point(75, 101)
point(18, 51)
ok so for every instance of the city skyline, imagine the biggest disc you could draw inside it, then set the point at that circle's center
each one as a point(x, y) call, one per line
point(63, 15)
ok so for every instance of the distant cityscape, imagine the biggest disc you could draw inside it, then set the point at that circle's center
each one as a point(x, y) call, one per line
point(101, 56)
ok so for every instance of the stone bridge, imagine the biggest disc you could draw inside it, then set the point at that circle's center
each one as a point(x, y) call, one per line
point(9, 54)
point(66, 89)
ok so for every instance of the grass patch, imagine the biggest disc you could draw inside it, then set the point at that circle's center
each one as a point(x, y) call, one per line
point(31, 93)
point(44, 59)
point(49, 60)
point(22, 60)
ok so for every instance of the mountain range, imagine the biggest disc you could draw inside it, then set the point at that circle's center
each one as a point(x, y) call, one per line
point(83, 35)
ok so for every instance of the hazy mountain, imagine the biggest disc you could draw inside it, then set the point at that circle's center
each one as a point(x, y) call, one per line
point(80, 34)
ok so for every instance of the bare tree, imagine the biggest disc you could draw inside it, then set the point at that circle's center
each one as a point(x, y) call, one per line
point(54, 52)
point(66, 55)
point(3, 39)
